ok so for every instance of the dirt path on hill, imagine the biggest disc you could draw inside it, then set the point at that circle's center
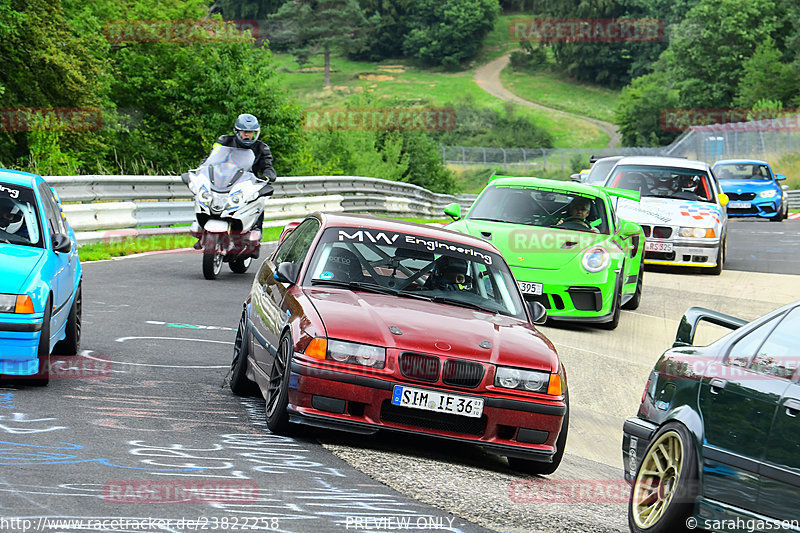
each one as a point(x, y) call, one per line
point(488, 78)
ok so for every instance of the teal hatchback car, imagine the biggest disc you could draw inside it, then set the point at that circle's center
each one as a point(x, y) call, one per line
point(40, 279)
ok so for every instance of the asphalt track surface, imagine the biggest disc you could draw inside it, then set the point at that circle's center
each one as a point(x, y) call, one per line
point(142, 416)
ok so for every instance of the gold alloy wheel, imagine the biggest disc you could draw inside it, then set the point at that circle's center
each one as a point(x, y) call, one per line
point(657, 479)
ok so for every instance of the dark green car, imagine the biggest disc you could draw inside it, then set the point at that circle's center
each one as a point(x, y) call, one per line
point(716, 442)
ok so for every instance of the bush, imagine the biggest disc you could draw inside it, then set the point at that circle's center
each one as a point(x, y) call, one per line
point(493, 129)
point(529, 58)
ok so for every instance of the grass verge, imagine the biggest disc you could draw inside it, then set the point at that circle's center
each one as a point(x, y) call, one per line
point(98, 251)
point(553, 90)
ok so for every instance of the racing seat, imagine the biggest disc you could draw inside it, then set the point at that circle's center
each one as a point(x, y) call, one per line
point(633, 181)
point(344, 265)
point(519, 207)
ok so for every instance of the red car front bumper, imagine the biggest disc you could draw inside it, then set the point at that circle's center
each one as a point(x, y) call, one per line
point(362, 403)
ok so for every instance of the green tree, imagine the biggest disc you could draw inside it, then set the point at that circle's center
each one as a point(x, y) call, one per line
point(448, 32)
point(640, 110)
point(48, 63)
point(766, 77)
point(314, 27)
point(731, 29)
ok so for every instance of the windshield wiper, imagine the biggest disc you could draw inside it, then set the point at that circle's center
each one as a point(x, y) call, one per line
point(462, 303)
point(356, 286)
point(490, 219)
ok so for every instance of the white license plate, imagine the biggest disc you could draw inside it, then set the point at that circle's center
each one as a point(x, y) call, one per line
point(526, 287)
point(651, 246)
point(437, 401)
point(739, 205)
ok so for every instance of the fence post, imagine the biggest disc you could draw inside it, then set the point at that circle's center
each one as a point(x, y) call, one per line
point(484, 156)
point(544, 160)
point(505, 166)
point(463, 156)
point(524, 157)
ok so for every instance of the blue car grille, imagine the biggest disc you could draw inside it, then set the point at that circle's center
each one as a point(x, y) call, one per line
point(745, 196)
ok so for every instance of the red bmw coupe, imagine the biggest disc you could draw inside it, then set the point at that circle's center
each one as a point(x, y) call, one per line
point(360, 323)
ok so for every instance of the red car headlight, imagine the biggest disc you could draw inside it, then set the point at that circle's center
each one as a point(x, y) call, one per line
point(347, 352)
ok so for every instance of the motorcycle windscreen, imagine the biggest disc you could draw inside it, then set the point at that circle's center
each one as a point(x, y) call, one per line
point(227, 165)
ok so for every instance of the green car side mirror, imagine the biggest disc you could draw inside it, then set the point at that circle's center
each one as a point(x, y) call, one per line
point(629, 228)
point(453, 211)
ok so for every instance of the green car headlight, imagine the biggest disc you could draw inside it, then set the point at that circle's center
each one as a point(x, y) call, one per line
point(528, 380)
point(595, 259)
point(768, 194)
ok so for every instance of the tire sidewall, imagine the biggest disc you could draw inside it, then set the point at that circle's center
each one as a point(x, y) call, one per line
point(278, 421)
point(240, 384)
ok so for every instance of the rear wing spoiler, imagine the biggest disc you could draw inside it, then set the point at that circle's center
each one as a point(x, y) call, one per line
point(623, 193)
point(692, 318)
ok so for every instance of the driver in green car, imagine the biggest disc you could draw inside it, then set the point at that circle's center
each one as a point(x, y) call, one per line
point(578, 211)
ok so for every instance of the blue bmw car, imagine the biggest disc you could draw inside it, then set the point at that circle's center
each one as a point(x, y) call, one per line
point(40, 279)
point(752, 188)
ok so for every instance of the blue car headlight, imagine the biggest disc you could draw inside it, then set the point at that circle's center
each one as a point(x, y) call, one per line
point(771, 193)
point(16, 303)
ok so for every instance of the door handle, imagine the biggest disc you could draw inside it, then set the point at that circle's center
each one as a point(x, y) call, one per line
point(792, 408)
point(716, 385)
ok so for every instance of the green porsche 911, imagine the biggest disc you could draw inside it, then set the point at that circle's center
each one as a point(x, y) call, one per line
point(564, 243)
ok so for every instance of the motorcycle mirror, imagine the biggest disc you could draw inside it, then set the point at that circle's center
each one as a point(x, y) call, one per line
point(266, 190)
point(185, 178)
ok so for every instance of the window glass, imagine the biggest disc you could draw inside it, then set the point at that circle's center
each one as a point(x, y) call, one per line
point(779, 354)
point(664, 182)
point(412, 266)
point(19, 216)
point(543, 207)
point(295, 247)
point(742, 171)
point(745, 348)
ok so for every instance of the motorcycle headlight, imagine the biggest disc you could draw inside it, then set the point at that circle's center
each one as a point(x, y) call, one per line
point(527, 380)
point(354, 353)
point(697, 233)
point(204, 195)
point(595, 259)
point(235, 198)
point(771, 193)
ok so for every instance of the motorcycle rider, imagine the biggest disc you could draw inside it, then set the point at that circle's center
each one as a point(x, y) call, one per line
point(246, 130)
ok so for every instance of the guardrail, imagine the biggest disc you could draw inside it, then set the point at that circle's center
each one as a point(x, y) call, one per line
point(794, 199)
point(108, 207)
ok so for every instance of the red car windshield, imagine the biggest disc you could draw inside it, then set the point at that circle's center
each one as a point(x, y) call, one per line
point(409, 265)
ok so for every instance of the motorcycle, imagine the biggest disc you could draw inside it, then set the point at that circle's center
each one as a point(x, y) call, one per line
point(229, 200)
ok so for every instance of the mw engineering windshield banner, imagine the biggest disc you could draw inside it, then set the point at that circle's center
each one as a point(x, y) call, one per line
point(409, 241)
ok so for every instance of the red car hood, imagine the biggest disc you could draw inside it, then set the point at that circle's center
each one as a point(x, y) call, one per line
point(432, 328)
